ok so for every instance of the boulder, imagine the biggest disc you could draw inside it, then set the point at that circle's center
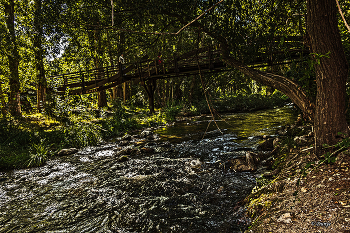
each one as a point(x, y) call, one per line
point(69, 151)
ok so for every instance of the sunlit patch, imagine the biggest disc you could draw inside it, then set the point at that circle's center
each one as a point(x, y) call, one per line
point(102, 154)
point(85, 159)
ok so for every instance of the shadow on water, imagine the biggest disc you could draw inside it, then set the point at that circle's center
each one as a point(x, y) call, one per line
point(177, 185)
point(241, 125)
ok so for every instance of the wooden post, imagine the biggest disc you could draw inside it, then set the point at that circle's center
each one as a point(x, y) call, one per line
point(107, 73)
point(120, 69)
point(124, 92)
point(140, 69)
point(210, 54)
point(82, 82)
point(65, 83)
point(176, 64)
point(155, 66)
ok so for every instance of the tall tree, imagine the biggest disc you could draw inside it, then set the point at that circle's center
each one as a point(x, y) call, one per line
point(39, 54)
point(331, 71)
point(13, 59)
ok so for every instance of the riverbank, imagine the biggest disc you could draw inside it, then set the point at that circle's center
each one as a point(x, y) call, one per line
point(303, 193)
point(30, 140)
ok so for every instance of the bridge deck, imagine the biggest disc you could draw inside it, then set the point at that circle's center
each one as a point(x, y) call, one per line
point(94, 80)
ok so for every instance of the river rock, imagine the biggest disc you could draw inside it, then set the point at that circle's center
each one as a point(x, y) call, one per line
point(267, 145)
point(126, 137)
point(124, 143)
point(242, 164)
point(146, 133)
point(123, 158)
point(147, 150)
point(69, 151)
point(126, 151)
point(272, 173)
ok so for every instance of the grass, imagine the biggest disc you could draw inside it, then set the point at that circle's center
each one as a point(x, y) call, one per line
point(31, 140)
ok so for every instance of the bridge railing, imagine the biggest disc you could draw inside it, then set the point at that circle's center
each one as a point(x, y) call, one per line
point(82, 78)
point(80, 81)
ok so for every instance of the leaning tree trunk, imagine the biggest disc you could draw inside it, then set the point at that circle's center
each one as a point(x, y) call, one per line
point(13, 59)
point(281, 83)
point(331, 71)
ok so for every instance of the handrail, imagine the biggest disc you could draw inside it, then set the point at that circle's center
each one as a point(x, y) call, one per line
point(82, 82)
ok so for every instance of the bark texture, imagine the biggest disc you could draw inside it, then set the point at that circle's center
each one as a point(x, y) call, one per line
point(13, 59)
point(331, 71)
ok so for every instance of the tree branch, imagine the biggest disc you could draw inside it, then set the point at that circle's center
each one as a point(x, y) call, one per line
point(342, 15)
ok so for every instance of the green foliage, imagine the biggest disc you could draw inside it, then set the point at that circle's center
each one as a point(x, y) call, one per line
point(245, 103)
point(38, 154)
point(11, 135)
point(14, 143)
point(81, 134)
point(13, 159)
point(120, 122)
point(171, 112)
point(154, 120)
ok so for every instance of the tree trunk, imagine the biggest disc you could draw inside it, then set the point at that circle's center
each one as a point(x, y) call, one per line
point(102, 99)
point(97, 53)
point(2, 101)
point(331, 71)
point(39, 57)
point(150, 87)
point(13, 59)
point(191, 90)
point(283, 84)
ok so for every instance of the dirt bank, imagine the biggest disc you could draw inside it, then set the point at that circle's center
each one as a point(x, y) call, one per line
point(318, 202)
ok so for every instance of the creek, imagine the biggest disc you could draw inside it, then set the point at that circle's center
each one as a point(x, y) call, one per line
point(163, 180)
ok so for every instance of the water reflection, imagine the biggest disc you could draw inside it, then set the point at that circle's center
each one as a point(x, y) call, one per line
point(241, 125)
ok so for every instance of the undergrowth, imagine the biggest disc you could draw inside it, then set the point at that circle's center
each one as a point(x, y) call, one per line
point(31, 140)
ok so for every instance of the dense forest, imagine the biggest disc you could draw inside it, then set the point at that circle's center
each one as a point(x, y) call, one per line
point(273, 51)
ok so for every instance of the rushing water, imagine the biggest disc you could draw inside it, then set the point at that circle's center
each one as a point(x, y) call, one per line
point(171, 183)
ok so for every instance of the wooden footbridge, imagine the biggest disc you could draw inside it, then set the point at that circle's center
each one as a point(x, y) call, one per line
point(205, 59)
